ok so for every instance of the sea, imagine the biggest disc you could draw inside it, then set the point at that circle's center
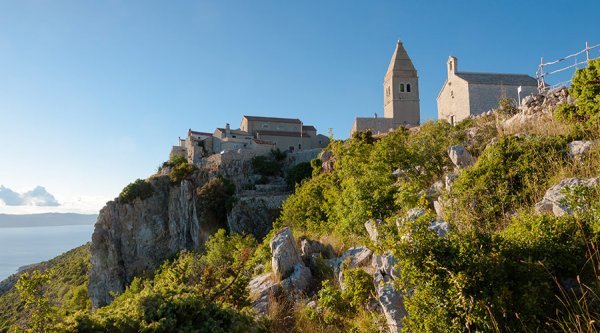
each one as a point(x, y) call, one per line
point(29, 245)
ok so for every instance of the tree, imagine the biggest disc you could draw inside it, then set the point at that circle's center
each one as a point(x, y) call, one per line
point(42, 315)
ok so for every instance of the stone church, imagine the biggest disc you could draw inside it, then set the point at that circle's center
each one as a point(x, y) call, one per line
point(400, 97)
point(466, 94)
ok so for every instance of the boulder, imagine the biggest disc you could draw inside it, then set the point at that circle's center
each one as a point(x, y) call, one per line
point(285, 253)
point(328, 160)
point(371, 226)
point(440, 227)
point(439, 208)
point(356, 257)
point(553, 201)
point(261, 289)
point(580, 148)
point(308, 247)
point(384, 264)
point(392, 304)
point(414, 214)
point(460, 156)
point(298, 281)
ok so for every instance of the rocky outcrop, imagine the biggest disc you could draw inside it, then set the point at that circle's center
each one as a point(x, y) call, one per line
point(290, 275)
point(460, 156)
point(371, 226)
point(132, 238)
point(579, 148)
point(328, 160)
point(554, 199)
point(285, 253)
point(255, 214)
point(262, 288)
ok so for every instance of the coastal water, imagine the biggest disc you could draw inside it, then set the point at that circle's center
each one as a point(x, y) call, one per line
point(29, 245)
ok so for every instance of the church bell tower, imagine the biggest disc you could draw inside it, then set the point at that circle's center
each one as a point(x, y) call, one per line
point(401, 90)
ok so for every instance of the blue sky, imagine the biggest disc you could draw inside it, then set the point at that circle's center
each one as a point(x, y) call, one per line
point(94, 93)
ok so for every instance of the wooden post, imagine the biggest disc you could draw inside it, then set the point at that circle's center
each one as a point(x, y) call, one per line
point(587, 52)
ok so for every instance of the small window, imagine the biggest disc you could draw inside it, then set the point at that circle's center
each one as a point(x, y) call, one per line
point(233, 136)
point(299, 146)
point(401, 87)
point(408, 87)
point(265, 126)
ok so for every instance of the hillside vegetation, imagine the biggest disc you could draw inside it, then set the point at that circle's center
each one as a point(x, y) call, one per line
point(502, 265)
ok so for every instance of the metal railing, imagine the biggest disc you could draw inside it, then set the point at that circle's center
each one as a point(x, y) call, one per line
point(549, 68)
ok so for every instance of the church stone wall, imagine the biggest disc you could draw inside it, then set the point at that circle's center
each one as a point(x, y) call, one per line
point(483, 98)
point(453, 100)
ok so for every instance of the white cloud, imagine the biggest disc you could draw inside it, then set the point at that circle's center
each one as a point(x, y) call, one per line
point(36, 197)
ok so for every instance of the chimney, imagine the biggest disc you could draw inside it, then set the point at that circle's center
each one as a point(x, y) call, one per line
point(227, 130)
point(452, 65)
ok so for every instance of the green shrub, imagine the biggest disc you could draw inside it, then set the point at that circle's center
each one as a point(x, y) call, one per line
point(298, 173)
point(476, 282)
point(196, 292)
point(510, 173)
point(358, 288)
point(181, 171)
point(137, 189)
point(585, 88)
point(265, 166)
point(507, 107)
point(278, 155)
point(216, 198)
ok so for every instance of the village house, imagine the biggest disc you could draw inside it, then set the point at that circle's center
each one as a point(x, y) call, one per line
point(400, 97)
point(466, 94)
point(258, 135)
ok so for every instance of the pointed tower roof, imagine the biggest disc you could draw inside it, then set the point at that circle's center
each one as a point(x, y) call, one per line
point(401, 61)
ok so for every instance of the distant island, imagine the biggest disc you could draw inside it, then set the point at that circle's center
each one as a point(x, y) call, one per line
point(46, 220)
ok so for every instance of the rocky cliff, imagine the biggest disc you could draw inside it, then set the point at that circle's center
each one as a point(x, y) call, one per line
point(133, 238)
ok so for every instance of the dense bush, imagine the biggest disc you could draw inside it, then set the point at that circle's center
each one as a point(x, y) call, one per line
point(476, 282)
point(507, 107)
point(512, 172)
point(200, 292)
point(266, 166)
point(362, 185)
point(585, 88)
point(216, 199)
point(298, 173)
point(59, 284)
point(181, 171)
point(138, 189)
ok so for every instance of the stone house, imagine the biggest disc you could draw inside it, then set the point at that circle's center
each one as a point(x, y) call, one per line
point(466, 94)
point(286, 133)
point(400, 97)
point(258, 135)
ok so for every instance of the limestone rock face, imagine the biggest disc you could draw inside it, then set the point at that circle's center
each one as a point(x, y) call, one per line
point(392, 304)
point(553, 199)
point(132, 238)
point(285, 253)
point(262, 288)
point(254, 214)
point(460, 156)
point(299, 280)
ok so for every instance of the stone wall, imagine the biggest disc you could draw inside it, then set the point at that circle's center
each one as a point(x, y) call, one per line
point(453, 100)
point(483, 98)
point(376, 125)
point(303, 156)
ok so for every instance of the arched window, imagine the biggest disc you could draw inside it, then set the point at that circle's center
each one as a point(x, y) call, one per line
point(401, 87)
point(408, 87)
